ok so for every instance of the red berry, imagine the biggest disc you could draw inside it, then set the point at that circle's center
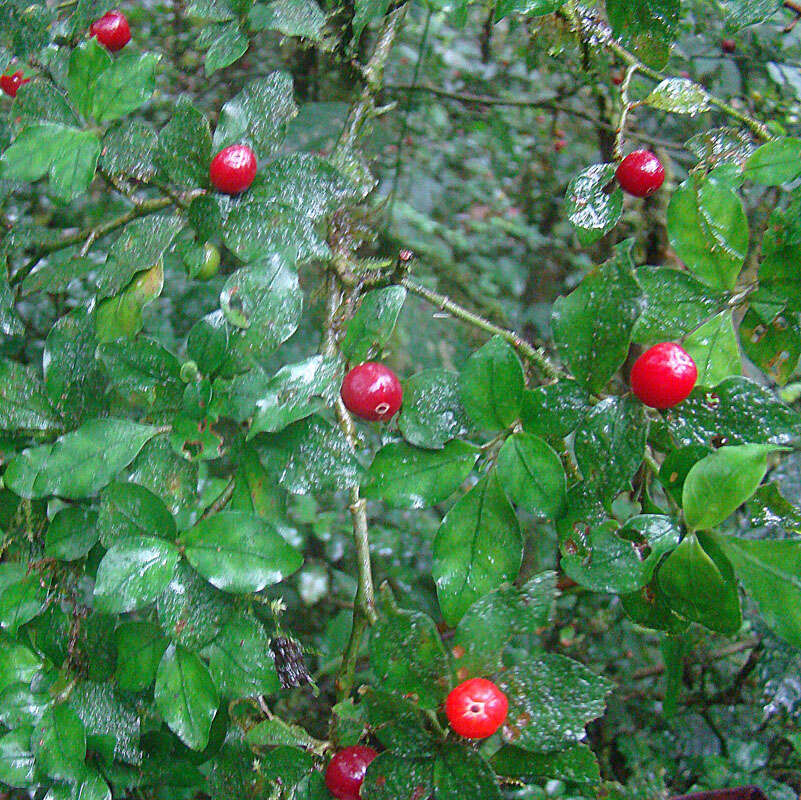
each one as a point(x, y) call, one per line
point(372, 391)
point(560, 144)
point(233, 169)
point(663, 375)
point(10, 83)
point(640, 173)
point(617, 78)
point(345, 773)
point(112, 30)
point(476, 708)
point(728, 45)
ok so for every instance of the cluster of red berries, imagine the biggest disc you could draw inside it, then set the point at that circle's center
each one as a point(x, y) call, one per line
point(475, 710)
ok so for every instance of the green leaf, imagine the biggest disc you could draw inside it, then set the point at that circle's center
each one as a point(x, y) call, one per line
point(498, 618)
point(592, 208)
point(768, 508)
point(778, 272)
point(532, 475)
point(699, 583)
point(491, 385)
point(575, 765)
point(42, 101)
point(738, 411)
point(406, 653)
point(184, 146)
point(79, 463)
point(432, 413)
point(610, 444)
point(128, 510)
point(678, 96)
point(23, 403)
point(272, 732)
point(741, 13)
point(133, 573)
point(254, 491)
point(140, 646)
point(72, 533)
point(621, 559)
point(127, 84)
point(675, 304)
point(477, 548)
point(461, 774)
point(313, 455)
point(289, 17)
point(551, 699)
point(59, 744)
point(185, 696)
point(207, 344)
point(190, 611)
point(528, 8)
point(228, 45)
point(774, 345)
point(10, 324)
point(394, 777)
point(410, 477)
point(17, 762)
point(129, 150)
point(295, 392)
point(592, 326)
point(775, 163)
point(397, 723)
point(769, 571)
point(19, 664)
point(140, 245)
point(19, 706)
point(366, 12)
point(265, 301)
point(87, 63)
point(67, 154)
point(648, 27)
point(21, 602)
point(258, 115)
point(713, 347)
point(708, 228)
point(240, 660)
point(553, 411)
point(239, 553)
point(718, 484)
point(373, 323)
point(121, 316)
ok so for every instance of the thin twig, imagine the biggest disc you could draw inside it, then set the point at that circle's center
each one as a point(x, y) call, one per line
point(535, 355)
point(222, 499)
point(714, 655)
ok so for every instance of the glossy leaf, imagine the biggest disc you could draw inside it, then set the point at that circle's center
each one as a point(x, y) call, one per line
point(775, 163)
point(23, 403)
point(774, 345)
point(648, 27)
point(678, 96)
point(140, 646)
point(394, 777)
point(713, 347)
point(594, 202)
point(410, 477)
point(289, 17)
point(554, 410)
point(184, 146)
point(461, 774)
point(17, 762)
point(373, 323)
point(127, 509)
point(59, 744)
point(477, 548)
point(432, 413)
point(239, 552)
point(575, 765)
point(72, 533)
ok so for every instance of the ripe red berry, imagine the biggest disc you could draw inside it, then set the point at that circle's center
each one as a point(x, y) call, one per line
point(476, 708)
point(112, 30)
point(345, 773)
point(728, 45)
point(663, 375)
point(10, 83)
point(233, 169)
point(372, 391)
point(560, 144)
point(640, 173)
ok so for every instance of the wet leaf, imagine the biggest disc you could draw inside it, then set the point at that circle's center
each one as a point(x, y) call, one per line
point(410, 477)
point(594, 202)
point(393, 777)
point(406, 653)
point(19, 706)
point(698, 581)
point(648, 27)
point(774, 345)
point(17, 762)
point(678, 96)
point(432, 413)
point(185, 696)
point(240, 660)
point(551, 699)
point(373, 323)
point(133, 573)
point(72, 533)
point(207, 342)
point(239, 552)
point(496, 619)
point(532, 475)
point(79, 463)
point(462, 774)
point(140, 646)
point(491, 385)
point(775, 163)
point(592, 326)
point(184, 146)
point(289, 17)
point(477, 548)
point(576, 765)
point(23, 403)
point(226, 45)
point(778, 272)
point(397, 723)
point(127, 509)
point(555, 410)
point(59, 744)
point(713, 347)
point(128, 150)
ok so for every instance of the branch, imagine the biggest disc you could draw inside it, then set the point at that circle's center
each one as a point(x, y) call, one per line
point(87, 234)
point(714, 655)
point(535, 355)
point(592, 30)
point(222, 499)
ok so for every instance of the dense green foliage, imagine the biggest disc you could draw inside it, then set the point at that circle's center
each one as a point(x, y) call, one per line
point(212, 575)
